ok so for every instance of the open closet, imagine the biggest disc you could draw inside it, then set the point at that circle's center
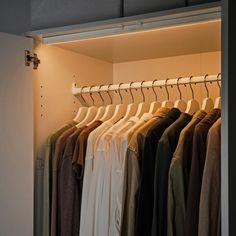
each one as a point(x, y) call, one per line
point(168, 59)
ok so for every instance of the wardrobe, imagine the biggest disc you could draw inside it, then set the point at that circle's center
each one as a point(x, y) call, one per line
point(39, 71)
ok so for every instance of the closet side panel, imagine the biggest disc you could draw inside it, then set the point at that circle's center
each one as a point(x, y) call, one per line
point(16, 137)
point(169, 67)
point(54, 103)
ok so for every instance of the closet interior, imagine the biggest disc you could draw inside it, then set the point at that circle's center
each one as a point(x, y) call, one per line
point(172, 52)
point(75, 67)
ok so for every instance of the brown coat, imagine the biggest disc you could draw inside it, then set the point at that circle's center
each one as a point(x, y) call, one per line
point(196, 172)
point(209, 213)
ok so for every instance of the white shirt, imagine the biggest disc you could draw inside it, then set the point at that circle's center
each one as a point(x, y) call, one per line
point(108, 177)
point(119, 198)
point(89, 189)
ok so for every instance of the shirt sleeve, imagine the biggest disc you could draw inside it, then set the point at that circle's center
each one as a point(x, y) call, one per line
point(132, 183)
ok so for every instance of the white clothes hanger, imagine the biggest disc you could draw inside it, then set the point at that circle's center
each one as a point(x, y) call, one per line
point(132, 107)
point(82, 111)
point(154, 105)
point(180, 104)
point(120, 109)
point(81, 114)
point(192, 105)
point(207, 103)
point(143, 107)
point(109, 109)
point(167, 103)
point(218, 99)
point(100, 110)
point(92, 111)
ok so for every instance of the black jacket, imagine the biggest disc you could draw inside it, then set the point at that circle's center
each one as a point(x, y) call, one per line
point(144, 213)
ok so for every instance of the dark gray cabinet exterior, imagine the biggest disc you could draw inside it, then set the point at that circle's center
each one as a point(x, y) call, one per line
point(135, 7)
point(195, 2)
point(14, 16)
point(56, 13)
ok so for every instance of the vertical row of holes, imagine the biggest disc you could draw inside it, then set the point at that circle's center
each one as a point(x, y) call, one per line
point(41, 100)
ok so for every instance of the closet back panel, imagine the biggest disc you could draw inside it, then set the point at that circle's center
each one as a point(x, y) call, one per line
point(16, 138)
point(169, 67)
point(54, 103)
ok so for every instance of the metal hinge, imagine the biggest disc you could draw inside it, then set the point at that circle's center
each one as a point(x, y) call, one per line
point(31, 58)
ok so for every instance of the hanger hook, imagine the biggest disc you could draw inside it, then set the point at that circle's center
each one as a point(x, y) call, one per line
point(180, 94)
point(99, 92)
point(190, 85)
point(130, 90)
point(108, 92)
point(205, 84)
point(142, 90)
point(121, 99)
point(167, 92)
point(91, 94)
point(81, 94)
point(218, 82)
point(153, 82)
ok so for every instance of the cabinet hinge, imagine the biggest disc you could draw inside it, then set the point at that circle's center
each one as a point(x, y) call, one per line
point(31, 58)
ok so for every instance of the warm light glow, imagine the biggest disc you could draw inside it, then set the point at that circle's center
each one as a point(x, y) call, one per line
point(122, 31)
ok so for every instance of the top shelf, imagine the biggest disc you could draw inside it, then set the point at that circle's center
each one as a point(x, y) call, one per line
point(188, 30)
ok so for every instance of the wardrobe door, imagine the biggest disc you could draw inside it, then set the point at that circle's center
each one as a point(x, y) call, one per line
point(16, 137)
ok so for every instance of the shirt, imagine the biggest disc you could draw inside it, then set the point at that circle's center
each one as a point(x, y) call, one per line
point(59, 150)
point(119, 145)
point(130, 172)
point(145, 201)
point(176, 185)
point(90, 181)
point(197, 166)
point(133, 166)
point(166, 147)
point(209, 211)
point(110, 176)
point(68, 199)
point(81, 151)
point(79, 158)
point(136, 139)
point(47, 176)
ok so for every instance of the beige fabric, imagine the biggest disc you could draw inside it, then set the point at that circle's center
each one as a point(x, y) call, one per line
point(209, 212)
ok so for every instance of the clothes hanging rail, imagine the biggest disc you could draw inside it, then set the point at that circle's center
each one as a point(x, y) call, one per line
point(146, 84)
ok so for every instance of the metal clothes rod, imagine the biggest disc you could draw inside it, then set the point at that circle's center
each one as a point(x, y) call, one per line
point(145, 84)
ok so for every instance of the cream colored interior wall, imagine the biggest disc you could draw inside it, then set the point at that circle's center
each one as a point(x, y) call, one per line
point(54, 103)
point(169, 67)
